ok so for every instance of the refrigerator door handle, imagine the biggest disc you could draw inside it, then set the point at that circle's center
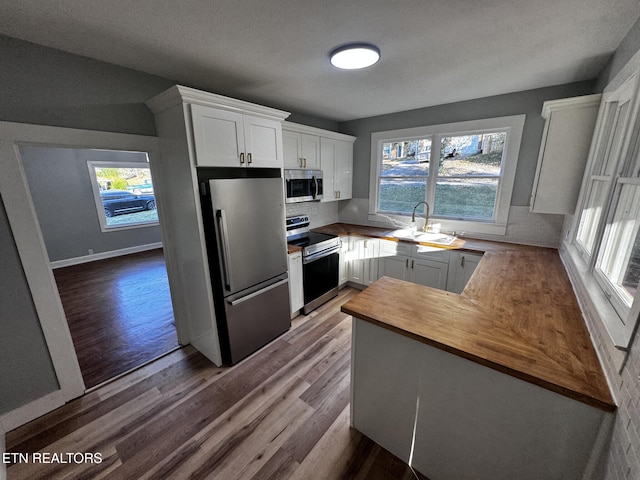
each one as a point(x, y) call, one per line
point(259, 292)
point(223, 238)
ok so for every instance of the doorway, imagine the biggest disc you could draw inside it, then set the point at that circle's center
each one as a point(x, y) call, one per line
point(97, 213)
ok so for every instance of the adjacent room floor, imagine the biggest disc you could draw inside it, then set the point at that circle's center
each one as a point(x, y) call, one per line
point(119, 313)
point(282, 413)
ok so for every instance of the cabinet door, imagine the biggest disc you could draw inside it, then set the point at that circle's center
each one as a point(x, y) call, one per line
point(295, 282)
point(263, 142)
point(218, 137)
point(343, 170)
point(428, 273)
point(343, 272)
point(563, 154)
point(292, 150)
point(371, 252)
point(327, 162)
point(356, 261)
point(461, 267)
point(310, 151)
point(393, 266)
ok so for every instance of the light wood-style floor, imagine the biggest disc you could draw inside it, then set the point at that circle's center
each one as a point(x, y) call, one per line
point(119, 313)
point(283, 413)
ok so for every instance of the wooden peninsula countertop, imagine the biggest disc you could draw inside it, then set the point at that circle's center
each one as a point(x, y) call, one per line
point(518, 315)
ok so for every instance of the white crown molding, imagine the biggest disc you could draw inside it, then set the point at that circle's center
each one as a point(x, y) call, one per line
point(179, 94)
point(298, 128)
point(574, 102)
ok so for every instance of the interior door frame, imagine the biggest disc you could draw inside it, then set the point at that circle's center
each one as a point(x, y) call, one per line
point(33, 254)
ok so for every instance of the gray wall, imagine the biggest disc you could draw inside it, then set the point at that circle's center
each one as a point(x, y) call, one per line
point(627, 49)
point(63, 198)
point(527, 102)
point(26, 371)
point(44, 86)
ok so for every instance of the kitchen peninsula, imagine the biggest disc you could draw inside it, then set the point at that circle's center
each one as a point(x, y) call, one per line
point(501, 381)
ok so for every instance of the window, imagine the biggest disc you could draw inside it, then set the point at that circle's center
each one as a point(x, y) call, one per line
point(464, 171)
point(606, 246)
point(124, 194)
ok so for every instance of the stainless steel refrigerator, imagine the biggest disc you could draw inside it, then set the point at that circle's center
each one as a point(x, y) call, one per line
point(243, 215)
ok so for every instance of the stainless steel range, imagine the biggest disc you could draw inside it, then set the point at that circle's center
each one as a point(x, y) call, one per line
point(320, 259)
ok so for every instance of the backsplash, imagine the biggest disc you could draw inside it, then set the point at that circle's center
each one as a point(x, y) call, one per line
point(523, 227)
point(319, 213)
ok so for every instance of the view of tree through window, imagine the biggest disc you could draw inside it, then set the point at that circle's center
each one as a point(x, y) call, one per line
point(467, 172)
point(126, 195)
point(405, 170)
point(468, 175)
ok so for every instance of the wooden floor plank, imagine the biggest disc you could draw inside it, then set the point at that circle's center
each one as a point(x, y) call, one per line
point(282, 413)
point(119, 313)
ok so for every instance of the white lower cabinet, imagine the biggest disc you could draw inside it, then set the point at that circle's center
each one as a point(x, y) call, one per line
point(343, 265)
point(414, 263)
point(363, 260)
point(461, 267)
point(295, 282)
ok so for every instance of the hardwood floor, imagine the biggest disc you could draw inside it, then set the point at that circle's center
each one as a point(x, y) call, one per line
point(119, 313)
point(282, 413)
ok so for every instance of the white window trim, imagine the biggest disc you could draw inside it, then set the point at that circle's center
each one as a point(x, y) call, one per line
point(579, 264)
point(96, 195)
point(513, 125)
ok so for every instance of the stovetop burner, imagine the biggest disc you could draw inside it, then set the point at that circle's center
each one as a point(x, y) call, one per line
point(298, 234)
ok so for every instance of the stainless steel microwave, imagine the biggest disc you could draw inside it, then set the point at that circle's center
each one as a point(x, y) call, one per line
point(303, 185)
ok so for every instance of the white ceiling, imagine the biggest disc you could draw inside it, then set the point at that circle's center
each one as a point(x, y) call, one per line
point(275, 52)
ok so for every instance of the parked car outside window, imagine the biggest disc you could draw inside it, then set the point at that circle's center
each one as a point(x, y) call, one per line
point(117, 202)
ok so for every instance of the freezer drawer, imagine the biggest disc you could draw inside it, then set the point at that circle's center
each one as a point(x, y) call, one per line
point(253, 320)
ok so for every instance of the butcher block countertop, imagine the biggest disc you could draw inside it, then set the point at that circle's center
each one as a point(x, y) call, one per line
point(518, 315)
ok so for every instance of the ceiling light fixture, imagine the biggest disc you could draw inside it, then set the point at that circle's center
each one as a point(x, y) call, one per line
point(354, 56)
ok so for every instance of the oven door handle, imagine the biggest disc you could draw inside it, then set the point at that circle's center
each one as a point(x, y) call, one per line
point(321, 254)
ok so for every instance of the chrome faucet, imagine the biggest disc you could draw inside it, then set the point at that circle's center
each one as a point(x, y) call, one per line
point(426, 216)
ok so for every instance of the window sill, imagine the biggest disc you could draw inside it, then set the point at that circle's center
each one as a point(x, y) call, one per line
point(460, 227)
point(593, 302)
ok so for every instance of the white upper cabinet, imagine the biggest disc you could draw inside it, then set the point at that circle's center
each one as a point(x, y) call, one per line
point(332, 152)
point(301, 150)
point(230, 139)
point(337, 168)
point(566, 140)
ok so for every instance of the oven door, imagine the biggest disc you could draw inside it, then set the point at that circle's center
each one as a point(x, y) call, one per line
point(320, 281)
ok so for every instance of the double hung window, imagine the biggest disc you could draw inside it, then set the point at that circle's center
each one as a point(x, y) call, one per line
point(463, 171)
point(608, 217)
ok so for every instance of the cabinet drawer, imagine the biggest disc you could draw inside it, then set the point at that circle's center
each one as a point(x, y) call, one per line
point(389, 247)
point(432, 253)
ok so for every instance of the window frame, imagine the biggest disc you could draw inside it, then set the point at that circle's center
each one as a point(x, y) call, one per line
point(513, 125)
point(95, 188)
point(619, 320)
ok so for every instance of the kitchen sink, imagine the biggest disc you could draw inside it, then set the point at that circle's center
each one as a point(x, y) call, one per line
point(428, 237)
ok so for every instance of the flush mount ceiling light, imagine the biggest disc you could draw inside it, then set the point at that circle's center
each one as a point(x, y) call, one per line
point(354, 56)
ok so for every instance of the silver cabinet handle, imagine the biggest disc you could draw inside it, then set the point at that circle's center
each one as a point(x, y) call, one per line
point(241, 158)
point(259, 292)
point(406, 263)
point(249, 160)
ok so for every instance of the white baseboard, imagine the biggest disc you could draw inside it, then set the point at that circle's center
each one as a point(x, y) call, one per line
point(32, 410)
point(103, 255)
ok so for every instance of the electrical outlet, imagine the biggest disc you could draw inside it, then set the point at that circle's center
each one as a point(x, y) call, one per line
point(91, 251)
